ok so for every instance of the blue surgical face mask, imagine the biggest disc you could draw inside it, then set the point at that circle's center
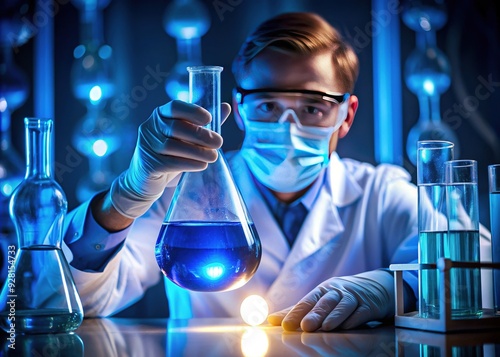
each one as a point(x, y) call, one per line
point(284, 156)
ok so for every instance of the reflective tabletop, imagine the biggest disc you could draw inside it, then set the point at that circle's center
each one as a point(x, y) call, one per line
point(231, 337)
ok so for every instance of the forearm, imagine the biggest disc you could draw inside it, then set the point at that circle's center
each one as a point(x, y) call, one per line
point(110, 273)
point(106, 215)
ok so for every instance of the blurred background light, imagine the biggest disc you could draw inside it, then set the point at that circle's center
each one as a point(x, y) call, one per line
point(95, 94)
point(14, 90)
point(187, 21)
point(97, 135)
point(100, 147)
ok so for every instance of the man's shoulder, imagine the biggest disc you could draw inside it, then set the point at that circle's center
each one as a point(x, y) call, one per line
point(362, 170)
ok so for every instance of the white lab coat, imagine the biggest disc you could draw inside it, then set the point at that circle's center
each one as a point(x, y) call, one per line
point(364, 218)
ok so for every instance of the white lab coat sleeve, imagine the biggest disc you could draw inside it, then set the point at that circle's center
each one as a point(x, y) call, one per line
point(129, 273)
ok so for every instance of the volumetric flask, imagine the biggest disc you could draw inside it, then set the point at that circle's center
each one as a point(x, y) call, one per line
point(39, 295)
point(208, 241)
point(432, 218)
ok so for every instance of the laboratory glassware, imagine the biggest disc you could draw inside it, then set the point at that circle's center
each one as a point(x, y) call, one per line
point(39, 295)
point(494, 188)
point(461, 243)
point(427, 74)
point(208, 241)
point(432, 218)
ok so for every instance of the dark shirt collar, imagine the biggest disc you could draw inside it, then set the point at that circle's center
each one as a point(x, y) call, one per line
point(307, 199)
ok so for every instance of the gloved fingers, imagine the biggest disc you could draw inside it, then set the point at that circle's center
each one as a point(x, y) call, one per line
point(292, 320)
point(191, 112)
point(325, 305)
point(176, 164)
point(184, 150)
point(187, 111)
point(277, 317)
point(182, 121)
point(347, 304)
point(176, 128)
point(362, 315)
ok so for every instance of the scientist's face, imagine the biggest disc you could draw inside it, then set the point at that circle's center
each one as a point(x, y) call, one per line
point(280, 70)
point(293, 111)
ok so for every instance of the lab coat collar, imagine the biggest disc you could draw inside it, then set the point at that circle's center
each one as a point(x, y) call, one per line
point(344, 188)
point(323, 223)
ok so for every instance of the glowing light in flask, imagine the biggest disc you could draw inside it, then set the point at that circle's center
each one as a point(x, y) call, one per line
point(254, 310)
point(214, 271)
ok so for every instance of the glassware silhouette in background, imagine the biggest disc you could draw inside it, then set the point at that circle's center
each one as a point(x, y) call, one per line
point(461, 243)
point(186, 21)
point(432, 218)
point(208, 241)
point(40, 292)
point(427, 74)
point(98, 134)
point(14, 90)
point(494, 188)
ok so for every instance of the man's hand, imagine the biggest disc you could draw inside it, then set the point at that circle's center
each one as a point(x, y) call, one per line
point(343, 302)
point(171, 141)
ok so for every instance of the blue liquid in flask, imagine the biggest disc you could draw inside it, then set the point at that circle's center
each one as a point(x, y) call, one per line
point(205, 259)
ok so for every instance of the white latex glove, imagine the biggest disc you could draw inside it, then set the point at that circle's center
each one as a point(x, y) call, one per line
point(345, 302)
point(171, 141)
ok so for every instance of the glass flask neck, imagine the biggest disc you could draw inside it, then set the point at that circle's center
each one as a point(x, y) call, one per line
point(215, 124)
point(205, 91)
point(38, 147)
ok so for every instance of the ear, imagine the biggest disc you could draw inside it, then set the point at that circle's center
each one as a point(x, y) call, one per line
point(351, 112)
point(236, 113)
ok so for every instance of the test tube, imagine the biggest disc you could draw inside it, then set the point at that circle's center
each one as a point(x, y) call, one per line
point(461, 243)
point(432, 220)
point(494, 188)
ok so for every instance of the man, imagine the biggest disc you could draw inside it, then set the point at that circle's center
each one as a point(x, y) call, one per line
point(295, 78)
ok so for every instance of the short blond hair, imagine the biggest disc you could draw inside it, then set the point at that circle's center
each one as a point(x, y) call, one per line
point(301, 33)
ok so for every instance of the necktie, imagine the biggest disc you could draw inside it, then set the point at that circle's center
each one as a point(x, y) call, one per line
point(291, 219)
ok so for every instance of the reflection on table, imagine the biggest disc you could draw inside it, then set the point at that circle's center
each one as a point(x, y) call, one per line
point(231, 337)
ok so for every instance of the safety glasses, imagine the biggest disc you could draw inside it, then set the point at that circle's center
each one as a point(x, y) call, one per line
point(313, 108)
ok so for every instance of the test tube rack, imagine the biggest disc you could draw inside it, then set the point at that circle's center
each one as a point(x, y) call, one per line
point(445, 322)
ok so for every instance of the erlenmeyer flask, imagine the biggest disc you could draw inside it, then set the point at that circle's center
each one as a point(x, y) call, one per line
point(39, 295)
point(208, 241)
